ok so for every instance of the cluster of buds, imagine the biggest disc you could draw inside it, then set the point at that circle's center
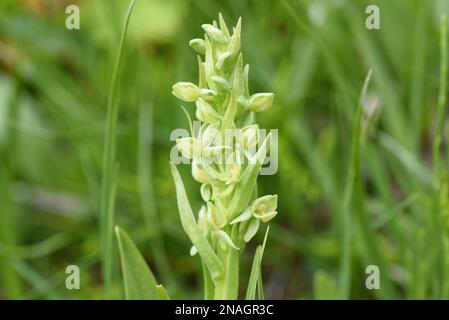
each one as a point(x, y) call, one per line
point(228, 150)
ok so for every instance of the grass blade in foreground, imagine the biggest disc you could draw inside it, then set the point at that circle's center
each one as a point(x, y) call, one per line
point(138, 278)
point(108, 175)
point(256, 270)
point(324, 286)
point(349, 197)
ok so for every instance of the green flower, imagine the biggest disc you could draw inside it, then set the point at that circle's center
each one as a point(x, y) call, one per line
point(260, 102)
point(186, 91)
point(264, 208)
point(198, 45)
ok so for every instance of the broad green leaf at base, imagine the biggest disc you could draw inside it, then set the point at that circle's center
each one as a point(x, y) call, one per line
point(139, 281)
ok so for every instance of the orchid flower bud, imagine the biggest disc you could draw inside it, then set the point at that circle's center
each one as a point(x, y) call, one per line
point(205, 112)
point(214, 217)
point(221, 82)
point(198, 45)
point(186, 91)
point(233, 168)
point(249, 137)
point(264, 208)
point(198, 172)
point(214, 33)
point(206, 191)
point(222, 58)
point(209, 134)
point(261, 101)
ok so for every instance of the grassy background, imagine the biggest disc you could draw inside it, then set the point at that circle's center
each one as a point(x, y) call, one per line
point(314, 55)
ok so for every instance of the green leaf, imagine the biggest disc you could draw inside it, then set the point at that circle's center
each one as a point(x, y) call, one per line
point(324, 286)
point(228, 120)
point(256, 271)
point(163, 295)
point(139, 281)
point(244, 189)
point(208, 256)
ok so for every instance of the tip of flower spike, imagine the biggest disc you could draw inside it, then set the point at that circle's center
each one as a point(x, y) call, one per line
point(214, 33)
point(223, 25)
point(238, 26)
point(198, 45)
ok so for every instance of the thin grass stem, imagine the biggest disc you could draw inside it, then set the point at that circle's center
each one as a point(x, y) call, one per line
point(108, 183)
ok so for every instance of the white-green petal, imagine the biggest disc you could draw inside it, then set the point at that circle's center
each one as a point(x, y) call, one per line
point(224, 238)
point(246, 215)
point(221, 82)
point(189, 147)
point(198, 173)
point(198, 45)
point(260, 102)
point(252, 229)
point(222, 58)
point(267, 216)
point(214, 33)
point(265, 204)
point(186, 91)
point(215, 217)
point(205, 112)
point(206, 191)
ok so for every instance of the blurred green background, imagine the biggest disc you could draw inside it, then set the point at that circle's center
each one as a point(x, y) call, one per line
point(314, 54)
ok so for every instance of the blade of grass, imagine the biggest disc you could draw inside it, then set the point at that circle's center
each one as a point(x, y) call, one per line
point(138, 279)
point(324, 286)
point(394, 117)
point(107, 186)
point(11, 284)
point(416, 87)
point(353, 200)
point(442, 98)
point(348, 197)
point(146, 191)
point(256, 271)
point(440, 171)
point(35, 279)
point(346, 90)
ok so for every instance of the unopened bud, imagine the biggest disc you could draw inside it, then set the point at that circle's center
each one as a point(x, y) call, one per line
point(261, 101)
point(186, 91)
